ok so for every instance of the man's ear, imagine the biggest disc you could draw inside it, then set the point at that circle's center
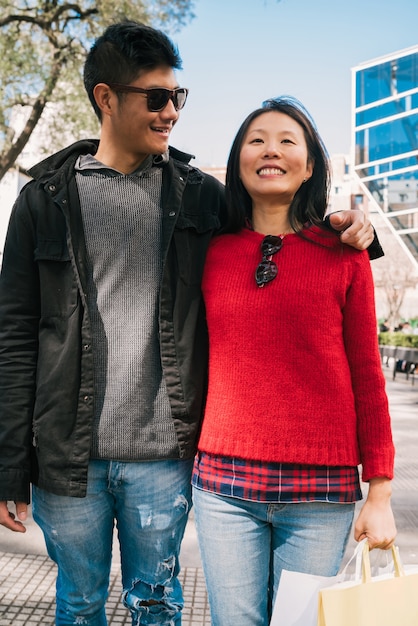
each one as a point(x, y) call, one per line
point(105, 98)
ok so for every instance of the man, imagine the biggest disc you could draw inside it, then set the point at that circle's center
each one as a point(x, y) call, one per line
point(103, 337)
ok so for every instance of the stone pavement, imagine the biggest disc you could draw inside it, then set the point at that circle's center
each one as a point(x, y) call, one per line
point(27, 576)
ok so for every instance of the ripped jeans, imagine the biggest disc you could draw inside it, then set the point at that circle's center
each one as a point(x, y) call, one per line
point(150, 502)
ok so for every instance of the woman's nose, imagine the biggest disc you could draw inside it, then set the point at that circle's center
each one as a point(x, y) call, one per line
point(271, 150)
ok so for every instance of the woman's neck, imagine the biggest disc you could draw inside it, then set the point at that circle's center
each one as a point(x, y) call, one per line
point(271, 221)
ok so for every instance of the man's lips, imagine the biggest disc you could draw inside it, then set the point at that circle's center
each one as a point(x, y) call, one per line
point(163, 130)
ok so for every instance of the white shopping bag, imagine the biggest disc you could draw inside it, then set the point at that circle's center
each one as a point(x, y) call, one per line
point(296, 601)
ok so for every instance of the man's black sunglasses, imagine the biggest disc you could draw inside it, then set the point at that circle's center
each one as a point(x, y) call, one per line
point(157, 97)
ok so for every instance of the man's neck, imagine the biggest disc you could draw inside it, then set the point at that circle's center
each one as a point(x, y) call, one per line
point(122, 162)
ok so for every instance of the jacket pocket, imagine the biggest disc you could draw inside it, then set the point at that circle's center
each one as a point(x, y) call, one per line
point(191, 239)
point(57, 282)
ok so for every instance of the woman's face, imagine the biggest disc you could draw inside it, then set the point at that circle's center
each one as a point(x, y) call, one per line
point(274, 158)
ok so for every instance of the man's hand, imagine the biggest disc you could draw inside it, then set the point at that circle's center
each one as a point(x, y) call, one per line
point(356, 230)
point(8, 519)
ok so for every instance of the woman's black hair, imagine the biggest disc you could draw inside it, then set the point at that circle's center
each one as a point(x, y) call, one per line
point(311, 199)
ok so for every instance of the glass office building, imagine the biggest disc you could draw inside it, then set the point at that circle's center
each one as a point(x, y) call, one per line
point(385, 141)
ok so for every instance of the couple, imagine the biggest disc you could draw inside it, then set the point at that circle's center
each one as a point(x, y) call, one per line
point(103, 354)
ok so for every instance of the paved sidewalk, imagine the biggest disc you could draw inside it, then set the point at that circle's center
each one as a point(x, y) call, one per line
point(27, 576)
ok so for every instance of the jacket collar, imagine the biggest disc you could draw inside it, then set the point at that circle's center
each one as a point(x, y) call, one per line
point(69, 155)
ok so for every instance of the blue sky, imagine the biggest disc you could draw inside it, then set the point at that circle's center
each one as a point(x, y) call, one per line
point(237, 53)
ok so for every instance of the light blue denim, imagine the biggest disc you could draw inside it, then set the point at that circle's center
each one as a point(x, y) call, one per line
point(245, 545)
point(150, 502)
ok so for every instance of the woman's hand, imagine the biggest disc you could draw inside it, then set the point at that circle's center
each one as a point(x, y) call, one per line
point(376, 520)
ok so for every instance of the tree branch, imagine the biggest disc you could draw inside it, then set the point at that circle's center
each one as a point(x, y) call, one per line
point(45, 23)
point(9, 157)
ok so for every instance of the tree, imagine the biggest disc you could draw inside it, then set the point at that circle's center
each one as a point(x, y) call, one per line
point(43, 44)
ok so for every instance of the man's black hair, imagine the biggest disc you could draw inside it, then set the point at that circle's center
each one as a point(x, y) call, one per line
point(124, 51)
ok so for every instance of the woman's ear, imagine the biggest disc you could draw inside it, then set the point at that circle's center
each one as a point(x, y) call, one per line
point(309, 170)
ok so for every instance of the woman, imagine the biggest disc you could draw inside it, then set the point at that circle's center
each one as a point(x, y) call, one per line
point(296, 398)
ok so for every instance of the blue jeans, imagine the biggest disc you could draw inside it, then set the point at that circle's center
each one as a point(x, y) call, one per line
point(244, 546)
point(150, 502)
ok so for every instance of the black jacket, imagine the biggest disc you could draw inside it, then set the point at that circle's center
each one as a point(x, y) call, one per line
point(46, 366)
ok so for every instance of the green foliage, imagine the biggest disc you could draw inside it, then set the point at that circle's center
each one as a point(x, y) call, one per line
point(43, 44)
point(398, 339)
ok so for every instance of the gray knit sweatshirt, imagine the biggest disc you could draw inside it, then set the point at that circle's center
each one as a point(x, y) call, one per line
point(122, 219)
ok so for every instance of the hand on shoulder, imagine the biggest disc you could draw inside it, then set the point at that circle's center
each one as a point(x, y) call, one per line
point(356, 230)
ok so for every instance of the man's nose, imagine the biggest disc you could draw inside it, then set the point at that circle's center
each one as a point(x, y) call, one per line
point(169, 111)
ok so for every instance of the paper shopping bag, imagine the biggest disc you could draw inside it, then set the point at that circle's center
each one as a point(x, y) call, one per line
point(296, 602)
point(389, 600)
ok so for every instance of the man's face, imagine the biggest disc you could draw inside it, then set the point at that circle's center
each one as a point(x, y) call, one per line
point(136, 131)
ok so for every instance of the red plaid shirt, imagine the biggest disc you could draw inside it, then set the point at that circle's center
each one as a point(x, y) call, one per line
point(275, 482)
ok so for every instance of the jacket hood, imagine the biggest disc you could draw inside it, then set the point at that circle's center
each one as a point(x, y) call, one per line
point(87, 146)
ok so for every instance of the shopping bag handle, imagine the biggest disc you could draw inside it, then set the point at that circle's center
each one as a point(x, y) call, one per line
point(365, 562)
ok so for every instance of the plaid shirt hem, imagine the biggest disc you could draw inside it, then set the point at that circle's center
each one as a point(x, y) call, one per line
point(275, 482)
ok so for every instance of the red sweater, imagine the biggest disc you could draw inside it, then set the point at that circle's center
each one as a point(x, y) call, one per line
point(295, 373)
